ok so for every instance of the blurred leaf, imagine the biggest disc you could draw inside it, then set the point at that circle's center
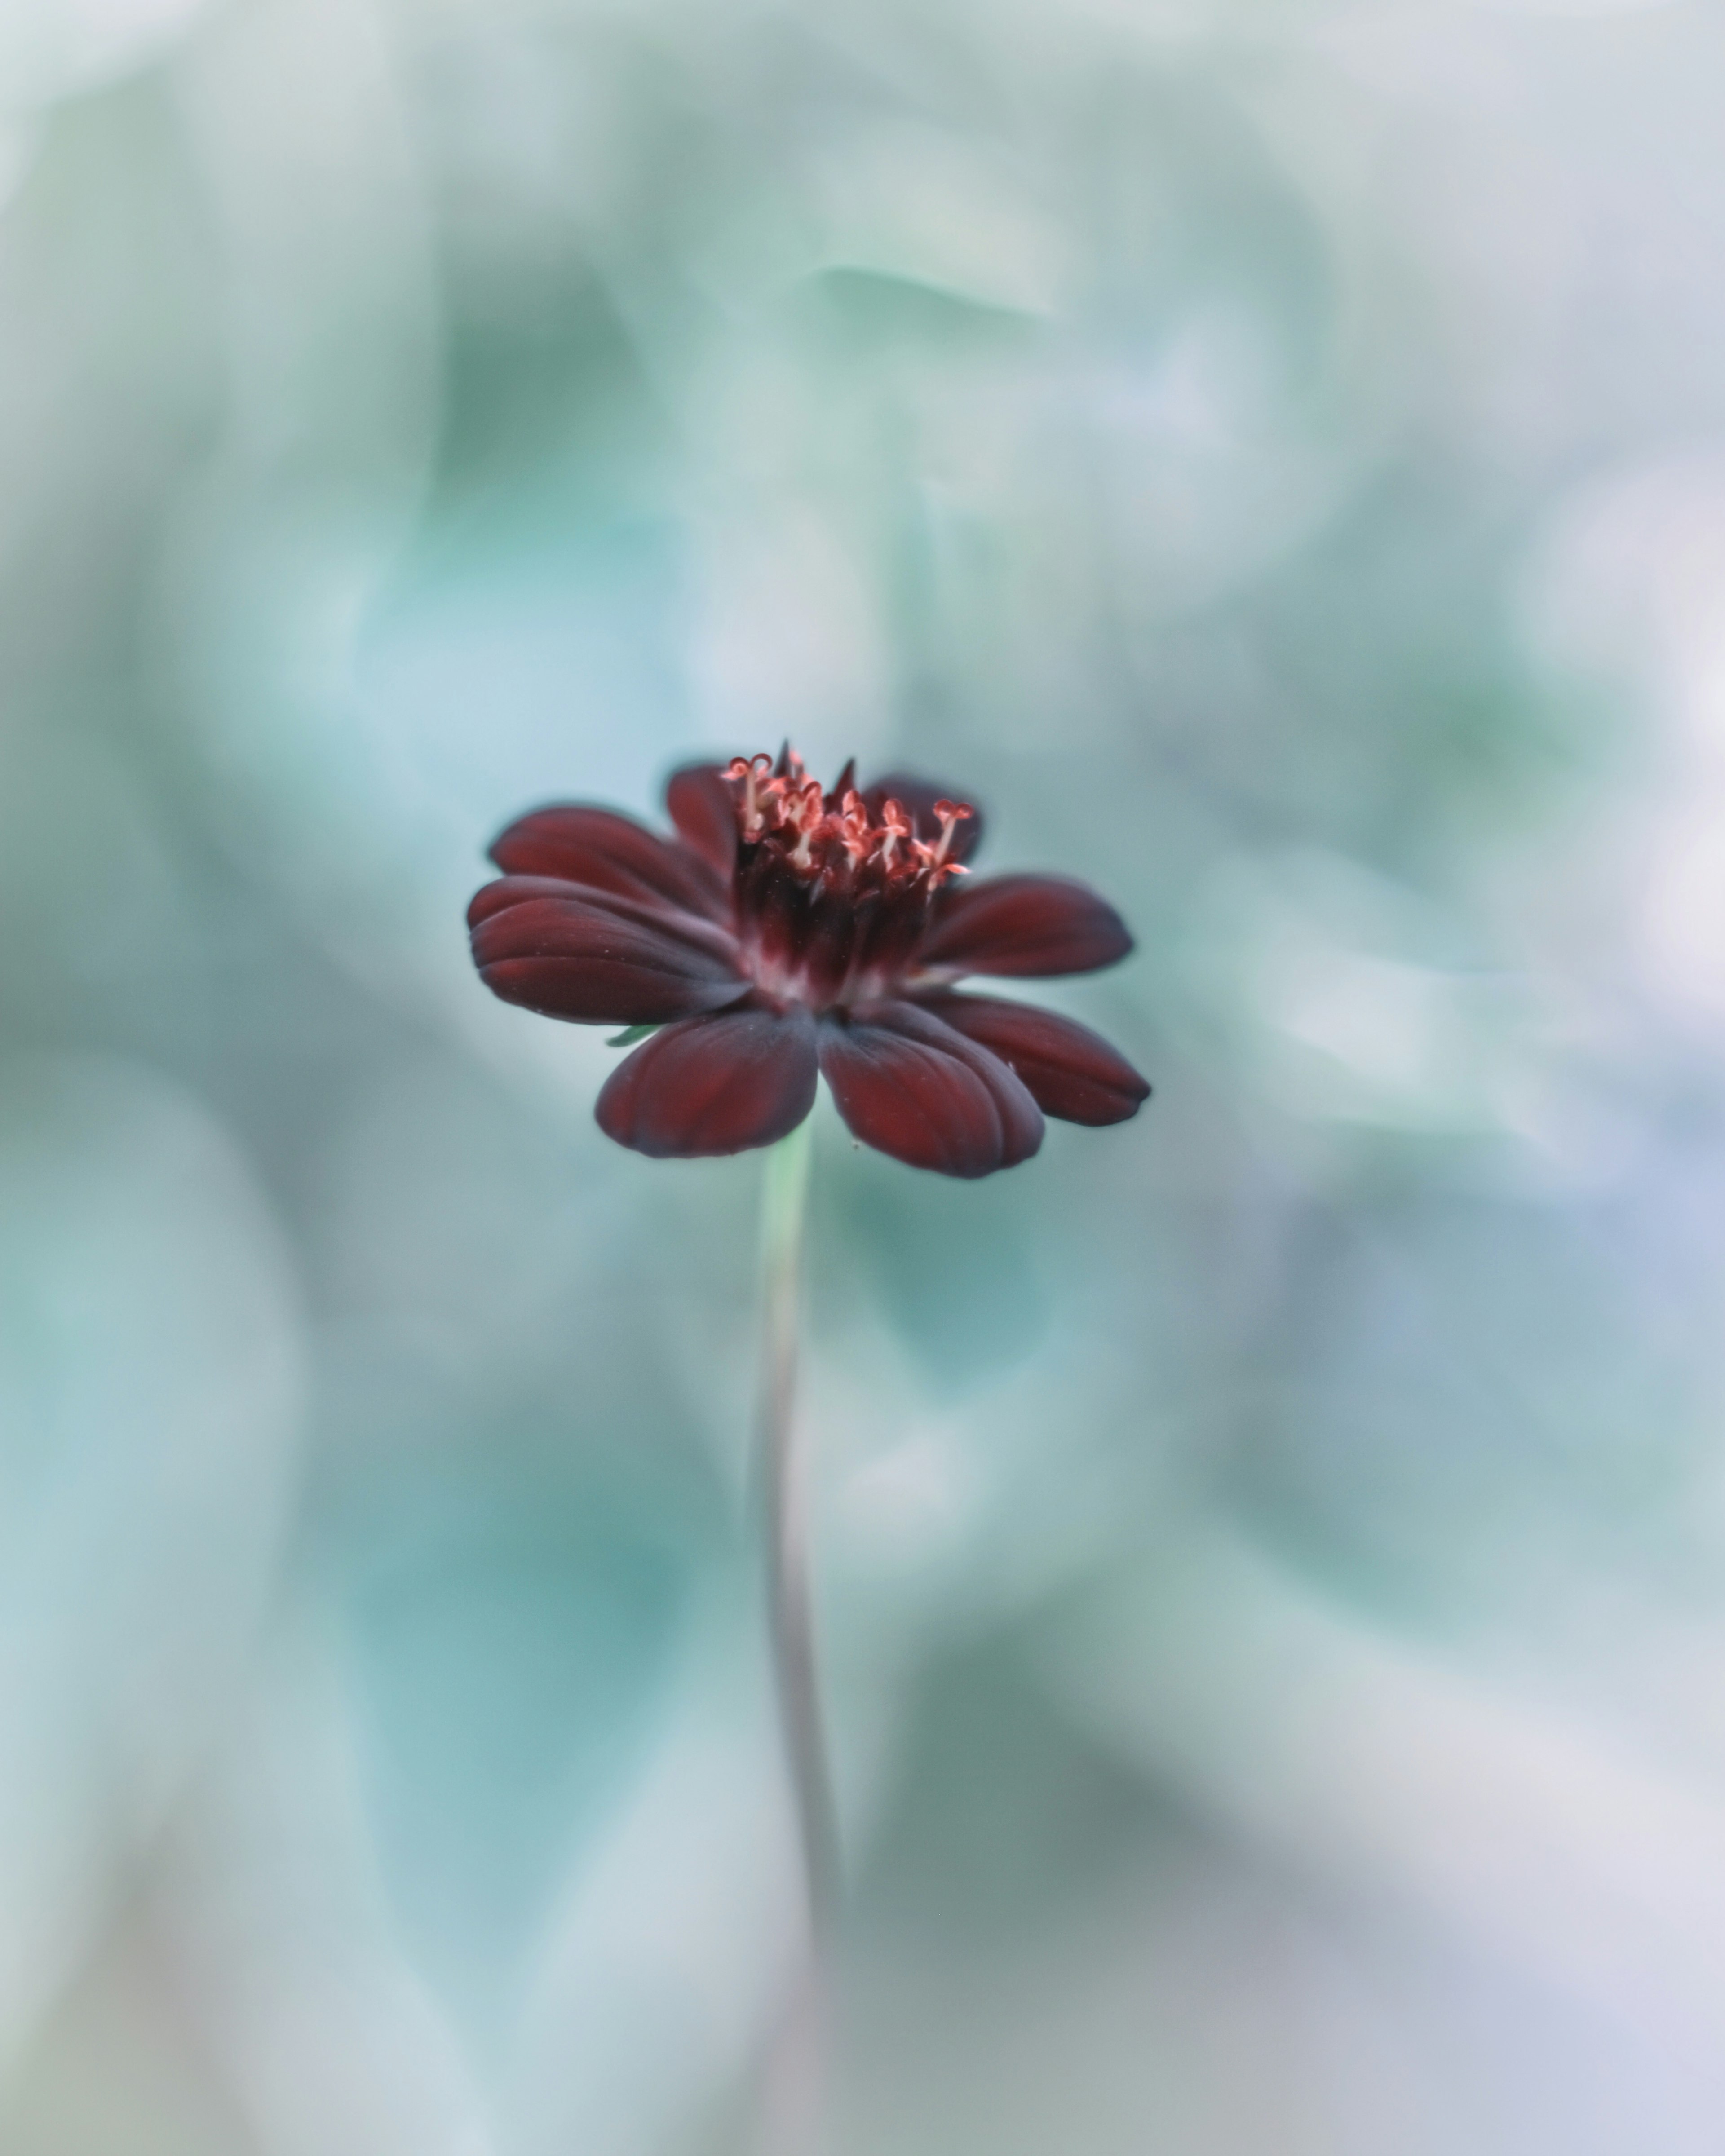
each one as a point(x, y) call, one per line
point(511, 1641)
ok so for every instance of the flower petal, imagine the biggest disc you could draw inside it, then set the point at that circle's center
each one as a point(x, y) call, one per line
point(1070, 1071)
point(498, 896)
point(917, 797)
point(717, 1085)
point(906, 1082)
point(703, 807)
point(596, 959)
point(603, 851)
point(1027, 925)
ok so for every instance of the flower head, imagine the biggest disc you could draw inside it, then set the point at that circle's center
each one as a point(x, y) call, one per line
point(788, 931)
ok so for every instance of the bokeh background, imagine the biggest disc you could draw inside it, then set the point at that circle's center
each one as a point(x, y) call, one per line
point(1272, 1554)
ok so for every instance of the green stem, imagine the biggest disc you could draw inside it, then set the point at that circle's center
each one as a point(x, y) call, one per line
point(782, 1467)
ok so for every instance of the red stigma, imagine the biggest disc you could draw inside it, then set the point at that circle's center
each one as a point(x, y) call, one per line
point(778, 805)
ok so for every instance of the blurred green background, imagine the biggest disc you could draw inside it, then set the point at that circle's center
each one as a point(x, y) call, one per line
point(1272, 1554)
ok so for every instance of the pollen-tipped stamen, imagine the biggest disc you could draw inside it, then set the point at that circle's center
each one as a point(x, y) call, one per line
point(747, 770)
point(896, 827)
point(949, 814)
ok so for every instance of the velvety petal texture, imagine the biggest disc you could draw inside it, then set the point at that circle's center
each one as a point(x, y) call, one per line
point(911, 1086)
point(510, 890)
point(702, 805)
point(603, 851)
point(1071, 1072)
point(1029, 926)
point(598, 959)
point(720, 1084)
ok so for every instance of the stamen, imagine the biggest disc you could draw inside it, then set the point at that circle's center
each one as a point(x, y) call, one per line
point(895, 825)
point(854, 835)
point(831, 836)
point(745, 768)
point(803, 807)
point(949, 814)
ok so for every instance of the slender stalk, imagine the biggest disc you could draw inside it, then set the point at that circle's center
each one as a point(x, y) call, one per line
point(794, 2094)
point(782, 1469)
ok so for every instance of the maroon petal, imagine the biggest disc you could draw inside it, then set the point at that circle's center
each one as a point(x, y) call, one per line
point(917, 797)
point(603, 851)
point(599, 960)
point(516, 890)
point(498, 896)
point(1070, 1071)
point(717, 1085)
point(909, 1083)
point(703, 807)
point(1027, 925)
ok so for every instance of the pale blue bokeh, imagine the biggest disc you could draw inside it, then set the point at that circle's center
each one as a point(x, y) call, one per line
point(1272, 1554)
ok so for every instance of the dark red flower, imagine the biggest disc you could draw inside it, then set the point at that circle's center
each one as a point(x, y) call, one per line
point(786, 931)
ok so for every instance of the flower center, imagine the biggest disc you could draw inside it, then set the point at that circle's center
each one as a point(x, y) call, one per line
point(814, 833)
point(832, 899)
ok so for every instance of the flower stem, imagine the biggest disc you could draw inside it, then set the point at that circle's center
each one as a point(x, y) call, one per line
point(794, 2090)
point(782, 1469)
